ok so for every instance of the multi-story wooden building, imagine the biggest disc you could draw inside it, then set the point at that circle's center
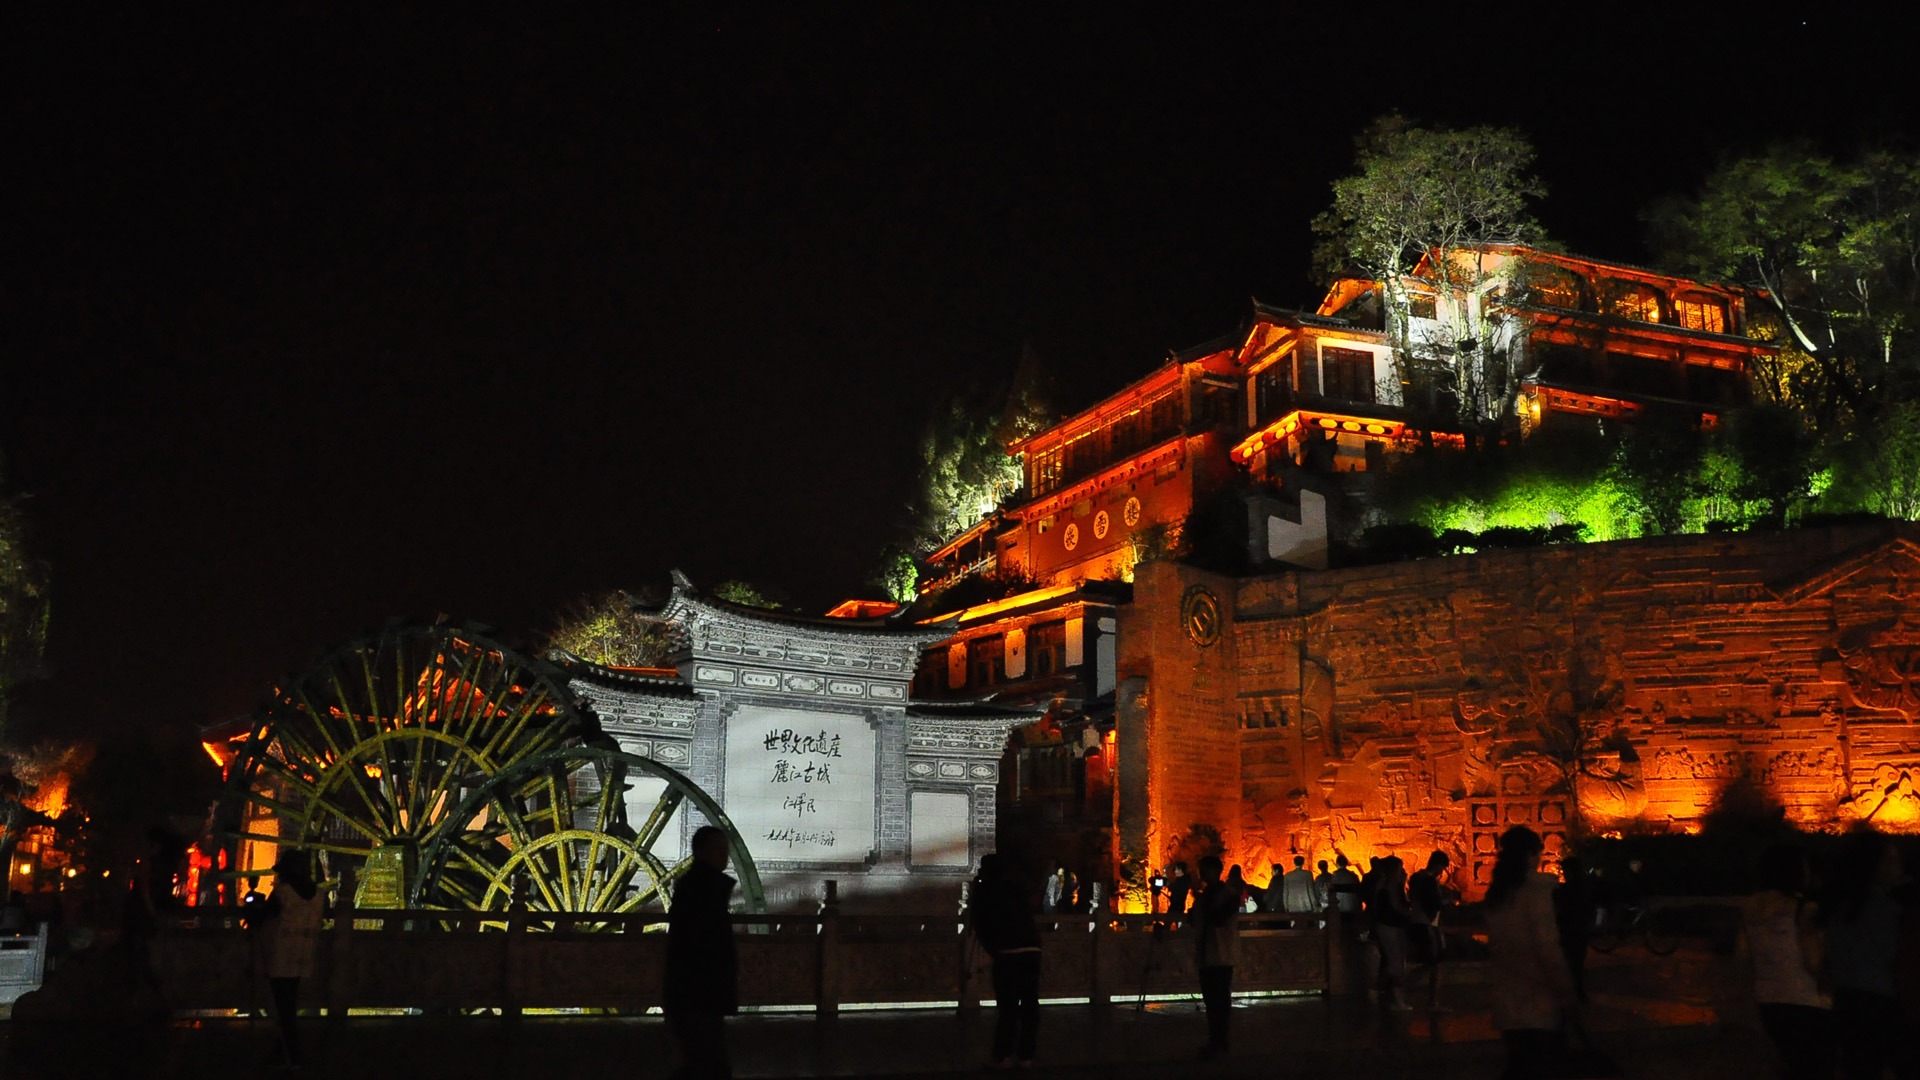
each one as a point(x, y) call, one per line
point(1490, 342)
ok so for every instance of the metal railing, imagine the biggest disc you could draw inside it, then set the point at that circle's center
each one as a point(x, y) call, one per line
point(520, 960)
point(23, 962)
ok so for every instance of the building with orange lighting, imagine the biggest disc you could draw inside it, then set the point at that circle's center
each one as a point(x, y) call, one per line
point(1265, 437)
point(1629, 686)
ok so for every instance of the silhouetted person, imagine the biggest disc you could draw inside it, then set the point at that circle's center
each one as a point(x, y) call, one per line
point(1532, 989)
point(1576, 910)
point(1216, 916)
point(702, 977)
point(149, 900)
point(1427, 897)
point(13, 916)
point(1787, 944)
point(1249, 895)
point(1296, 889)
point(1391, 918)
point(1178, 885)
point(1864, 911)
point(289, 921)
point(1003, 924)
point(1323, 886)
point(1059, 892)
point(1346, 887)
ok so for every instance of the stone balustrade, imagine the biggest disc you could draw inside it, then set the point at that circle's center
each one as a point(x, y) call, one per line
point(438, 960)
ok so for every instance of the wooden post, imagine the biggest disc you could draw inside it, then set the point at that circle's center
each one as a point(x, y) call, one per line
point(969, 988)
point(339, 950)
point(510, 954)
point(826, 998)
point(1099, 985)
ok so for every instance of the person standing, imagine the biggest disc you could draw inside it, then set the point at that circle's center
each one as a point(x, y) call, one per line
point(1866, 905)
point(1003, 924)
point(1576, 906)
point(1788, 947)
point(1532, 989)
point(1177, 889)
point(702, 973)
point(1323, 887)
point(1056, 892)
point(289, 921)
point(1391, 919)
point(1428, 896)
point(1216, 922)
point(1346, 887)
point(1296, 889)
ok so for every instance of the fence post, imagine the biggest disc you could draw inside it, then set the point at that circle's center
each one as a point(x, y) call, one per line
point(1328, 936)
point(1099, 986)
point(826, 998)
point(510, 953)
point(339, 949)
point(969, 995)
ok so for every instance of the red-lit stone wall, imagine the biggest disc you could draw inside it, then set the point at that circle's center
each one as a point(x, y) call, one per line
point(1431, 704)
point(1190, 724)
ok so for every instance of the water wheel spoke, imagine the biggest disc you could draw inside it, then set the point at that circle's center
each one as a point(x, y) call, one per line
point(663, 879)
point(656, 823)
point(615, 880)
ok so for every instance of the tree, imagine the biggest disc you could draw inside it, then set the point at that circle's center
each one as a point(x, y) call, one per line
point(619, 629)
point(1882, 465)
point(1835, 246)
point(1442, 195)
point(24, 610)
point(612, 629)
point(739, 592)
point(966, 473)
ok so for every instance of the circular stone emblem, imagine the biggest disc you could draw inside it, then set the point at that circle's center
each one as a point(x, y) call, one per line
point(1130, 513)
point(1200, 615)
point(1100, 523)
point(1071, 538)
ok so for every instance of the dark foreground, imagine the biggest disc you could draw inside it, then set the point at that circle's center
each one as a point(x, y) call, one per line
point(1679, 1017)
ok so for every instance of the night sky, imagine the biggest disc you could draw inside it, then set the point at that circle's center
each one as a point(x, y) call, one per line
point(320, 320)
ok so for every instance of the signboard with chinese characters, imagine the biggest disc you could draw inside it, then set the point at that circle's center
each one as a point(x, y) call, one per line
point(800, 785)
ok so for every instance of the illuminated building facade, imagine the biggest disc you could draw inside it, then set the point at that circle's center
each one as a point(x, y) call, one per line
point(804, 730)
point(1629, 686)
point(1271, 431)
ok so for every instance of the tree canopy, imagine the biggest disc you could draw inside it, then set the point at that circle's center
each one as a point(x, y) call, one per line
point(1442, 193)
point(609, 629)
point(24, 610)
point(965, 470)
point(617, 628)
point(1835, 247)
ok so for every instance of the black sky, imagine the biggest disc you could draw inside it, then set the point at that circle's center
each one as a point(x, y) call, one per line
point(337, 315)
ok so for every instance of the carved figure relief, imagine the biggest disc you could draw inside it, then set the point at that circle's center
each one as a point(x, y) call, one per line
point(1883, 669)
point(1612, 786)
point(1890, 797)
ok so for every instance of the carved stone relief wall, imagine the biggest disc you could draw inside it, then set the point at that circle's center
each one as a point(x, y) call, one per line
point(1432, 704)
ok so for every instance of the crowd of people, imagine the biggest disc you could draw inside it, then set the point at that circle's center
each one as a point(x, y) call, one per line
point(1834, 958)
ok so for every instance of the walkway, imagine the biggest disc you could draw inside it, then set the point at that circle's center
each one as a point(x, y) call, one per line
point(1671, 1018)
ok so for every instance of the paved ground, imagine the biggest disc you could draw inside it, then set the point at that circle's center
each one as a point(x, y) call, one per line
point(1672, 1018)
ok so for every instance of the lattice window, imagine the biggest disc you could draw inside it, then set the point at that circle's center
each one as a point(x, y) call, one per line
point(1346, 373)
point(1698, 311)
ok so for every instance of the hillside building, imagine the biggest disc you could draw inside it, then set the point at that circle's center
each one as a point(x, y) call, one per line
point(1269, 432)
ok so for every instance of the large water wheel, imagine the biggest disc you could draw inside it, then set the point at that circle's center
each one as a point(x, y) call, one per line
point(578, 829)
point(470, 764)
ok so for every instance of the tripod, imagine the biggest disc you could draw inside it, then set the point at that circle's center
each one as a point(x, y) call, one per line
point(1151, 965)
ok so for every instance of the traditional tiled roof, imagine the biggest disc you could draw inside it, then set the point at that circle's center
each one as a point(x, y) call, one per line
point(664, 682)
point(974, 710)
point(1308, 318)
point(686, 599)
